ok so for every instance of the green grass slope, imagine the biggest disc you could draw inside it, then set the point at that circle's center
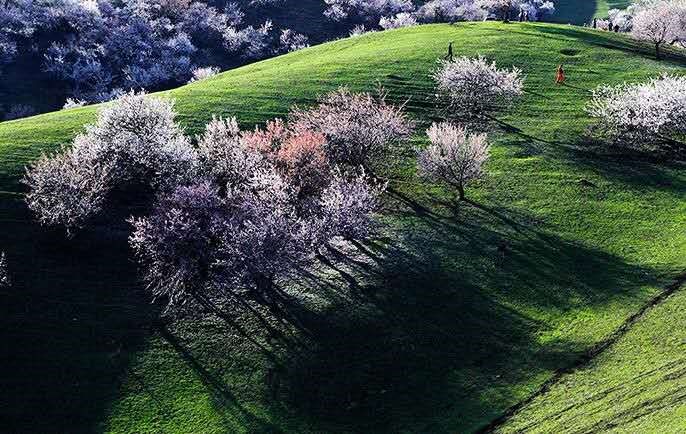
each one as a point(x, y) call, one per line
point(433, 328)
point(637, 386)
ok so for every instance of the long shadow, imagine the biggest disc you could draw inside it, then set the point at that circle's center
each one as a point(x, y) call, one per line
point(69, 324)
point(222, 396)
point(639, 171)
point(613, 41)
point(435, 331)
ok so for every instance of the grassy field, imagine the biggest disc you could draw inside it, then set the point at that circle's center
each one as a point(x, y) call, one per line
point(433, 328)
point(637, 386)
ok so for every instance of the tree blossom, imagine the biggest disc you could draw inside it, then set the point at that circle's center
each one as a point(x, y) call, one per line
point(659, 22)
point(243, 212)
point(451, 10)
point(70, 188)
point(359, 30)
point(224, 157)
point(71, 103)
point(642, 115)
point(98, 46)
point(473, 87)
point(200, 74)
point(199, 242)
point(135, 142)
point(620, 18)
point(402, 19)
point(358, 127)
point(533, 10)
point(292, 41)
point(297, 153)
point(348, 205)
point(368, 10)
point(454, 156)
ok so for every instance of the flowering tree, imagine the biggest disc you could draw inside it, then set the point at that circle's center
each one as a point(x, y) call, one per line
point(100, 46)
point(659, 22)
point(347, 204)
point(68, 189)
point(533, 10)
point(620, 18)
point(358, 128)
point(223, 156)
point(204, 242)
point(402, 19)
point(135, 142)
point(200, 74)
point(475, 88)
point(298, 154)
point(292, 41)
point(366, 10)
point(243, 211)
point(454, 156)
point(451, 10)
point(642, 115)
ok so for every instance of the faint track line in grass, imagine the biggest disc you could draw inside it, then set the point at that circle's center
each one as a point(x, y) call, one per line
point(583, 360)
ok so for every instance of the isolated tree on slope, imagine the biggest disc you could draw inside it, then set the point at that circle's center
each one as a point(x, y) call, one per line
point(642, 115)
point(473, 88)
point(454, 156)
point(660, 22)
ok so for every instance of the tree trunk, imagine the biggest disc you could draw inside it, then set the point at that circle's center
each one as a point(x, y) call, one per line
point(657, 51)
point(460, 192)
point(264, 285)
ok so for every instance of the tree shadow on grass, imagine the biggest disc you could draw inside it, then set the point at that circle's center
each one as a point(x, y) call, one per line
point(70, 322)
point(642, 172)
point(613, 41)
point(223, 398)
point(455, 314)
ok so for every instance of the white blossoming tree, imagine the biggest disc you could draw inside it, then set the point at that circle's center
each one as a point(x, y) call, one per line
point(135, 142)
point(659, 22)
point(642, 115)
point(474, 87)
point(454, 156)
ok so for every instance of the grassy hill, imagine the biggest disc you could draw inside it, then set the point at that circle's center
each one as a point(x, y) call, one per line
point(25, 82)
point(433, 328)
